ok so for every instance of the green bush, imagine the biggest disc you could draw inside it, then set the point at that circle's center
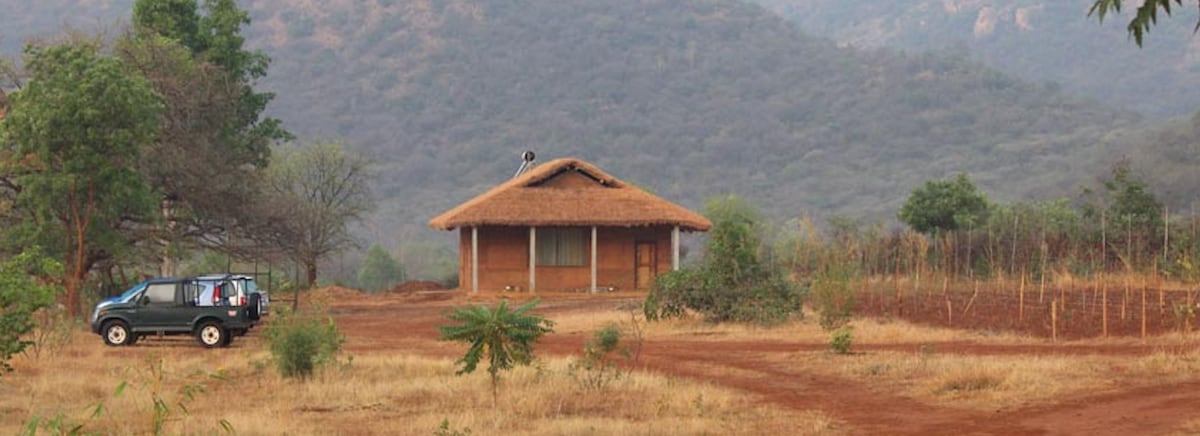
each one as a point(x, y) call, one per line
point(735, 282)
point(842, 339)
point(302, 341)
point(20, 297)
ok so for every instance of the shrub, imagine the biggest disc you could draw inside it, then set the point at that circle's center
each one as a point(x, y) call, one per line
point(734, 281)
point(842, 339)
point(20, 296)
point(598, 366)
point(302, 341)
point(446, 430)
point(833, 298)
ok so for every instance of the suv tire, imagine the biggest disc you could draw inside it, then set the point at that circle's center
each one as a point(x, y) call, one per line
point(116, 333)
point(212, 334)
point(255, 310)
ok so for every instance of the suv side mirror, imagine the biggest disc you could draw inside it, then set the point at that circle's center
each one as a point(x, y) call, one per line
point(144, 300)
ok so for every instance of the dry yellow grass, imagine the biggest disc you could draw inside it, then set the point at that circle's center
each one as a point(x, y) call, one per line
point(381, 393)
point(866, 330)
point(990, 382)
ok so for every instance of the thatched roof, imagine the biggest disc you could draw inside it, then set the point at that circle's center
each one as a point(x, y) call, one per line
point(568, 192)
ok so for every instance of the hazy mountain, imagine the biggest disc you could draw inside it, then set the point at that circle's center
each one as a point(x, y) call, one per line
point(1042, 40)
point(689, 98)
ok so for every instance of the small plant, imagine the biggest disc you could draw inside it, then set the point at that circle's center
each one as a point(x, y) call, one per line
point(54, 331)
point(302, 341)
point(20, 297)
point(505, 336)
point(973, 382)
point(1184, 314)
point(842, 339)
point(446, 430)
point(598, 366)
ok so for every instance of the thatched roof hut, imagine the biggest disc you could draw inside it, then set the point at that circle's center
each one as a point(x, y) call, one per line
point(567, 225)
point(529, 200)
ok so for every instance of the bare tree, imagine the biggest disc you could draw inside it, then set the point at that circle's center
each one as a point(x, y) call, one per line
point(316, 191)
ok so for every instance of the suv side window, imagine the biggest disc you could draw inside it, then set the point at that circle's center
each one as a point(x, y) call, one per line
point(161, 293)
point(191, 292)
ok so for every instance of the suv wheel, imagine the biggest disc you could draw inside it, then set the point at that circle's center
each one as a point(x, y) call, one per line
point(255, 310)
point(211, 335)
point(116, 333)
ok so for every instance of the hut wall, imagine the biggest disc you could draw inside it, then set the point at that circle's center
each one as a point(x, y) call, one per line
point(504, 259)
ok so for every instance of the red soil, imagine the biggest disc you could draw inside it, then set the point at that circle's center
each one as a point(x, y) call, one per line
point(407, 322)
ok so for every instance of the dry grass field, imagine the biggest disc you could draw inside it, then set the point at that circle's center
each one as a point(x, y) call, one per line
point(688, 377)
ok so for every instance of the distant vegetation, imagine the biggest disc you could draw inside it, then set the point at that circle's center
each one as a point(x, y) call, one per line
point(689, 98)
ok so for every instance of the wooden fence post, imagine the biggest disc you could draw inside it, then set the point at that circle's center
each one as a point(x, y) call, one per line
point(1143, 312)
point(1104, 309)
point(1054, 321)
point(1042, 287)
point(1124, 299)
point(949, 313)
point(1021, 299)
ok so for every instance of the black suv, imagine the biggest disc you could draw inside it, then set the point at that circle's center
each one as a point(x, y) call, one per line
point(171, 306)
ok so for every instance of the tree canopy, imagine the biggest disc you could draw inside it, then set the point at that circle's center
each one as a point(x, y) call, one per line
point(1145, 17)
point(941, 205)
point(78, 127)
point(379, 270)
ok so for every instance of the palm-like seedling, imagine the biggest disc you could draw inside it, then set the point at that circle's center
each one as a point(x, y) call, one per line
point(505, 336)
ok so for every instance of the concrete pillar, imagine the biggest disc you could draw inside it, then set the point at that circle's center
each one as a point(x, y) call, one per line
point(475, 259)
point(675, 249)
point(532, 259)
point(594, 259)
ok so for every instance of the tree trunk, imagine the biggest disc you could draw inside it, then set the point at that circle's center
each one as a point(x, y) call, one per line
point(72, 296)
point(310, 272)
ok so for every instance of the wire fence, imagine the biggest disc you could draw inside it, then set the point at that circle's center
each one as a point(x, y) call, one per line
point(1071, 310)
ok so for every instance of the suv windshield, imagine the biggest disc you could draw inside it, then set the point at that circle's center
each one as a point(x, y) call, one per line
point(127, 295)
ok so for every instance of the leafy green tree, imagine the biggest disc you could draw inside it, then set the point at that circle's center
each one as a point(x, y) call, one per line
point(172, 19)
point(21, 294)
point(1144, 18)
point(78, 126)
point(945, 205)
point(1132, 202)
point(214, 139)
point(379, 270)
point(214, 36)
point(735, 281)
point(506, 337)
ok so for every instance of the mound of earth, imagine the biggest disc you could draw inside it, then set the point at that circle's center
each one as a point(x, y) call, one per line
point(334, 292)
point(417, 285)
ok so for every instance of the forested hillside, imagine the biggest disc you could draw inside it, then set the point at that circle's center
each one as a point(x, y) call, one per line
point(1042, 40)
point(689, 98)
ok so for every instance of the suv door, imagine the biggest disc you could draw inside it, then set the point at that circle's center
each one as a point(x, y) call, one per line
point(159, 307)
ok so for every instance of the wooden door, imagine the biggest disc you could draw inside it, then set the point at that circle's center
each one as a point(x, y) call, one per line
point(645, 265)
